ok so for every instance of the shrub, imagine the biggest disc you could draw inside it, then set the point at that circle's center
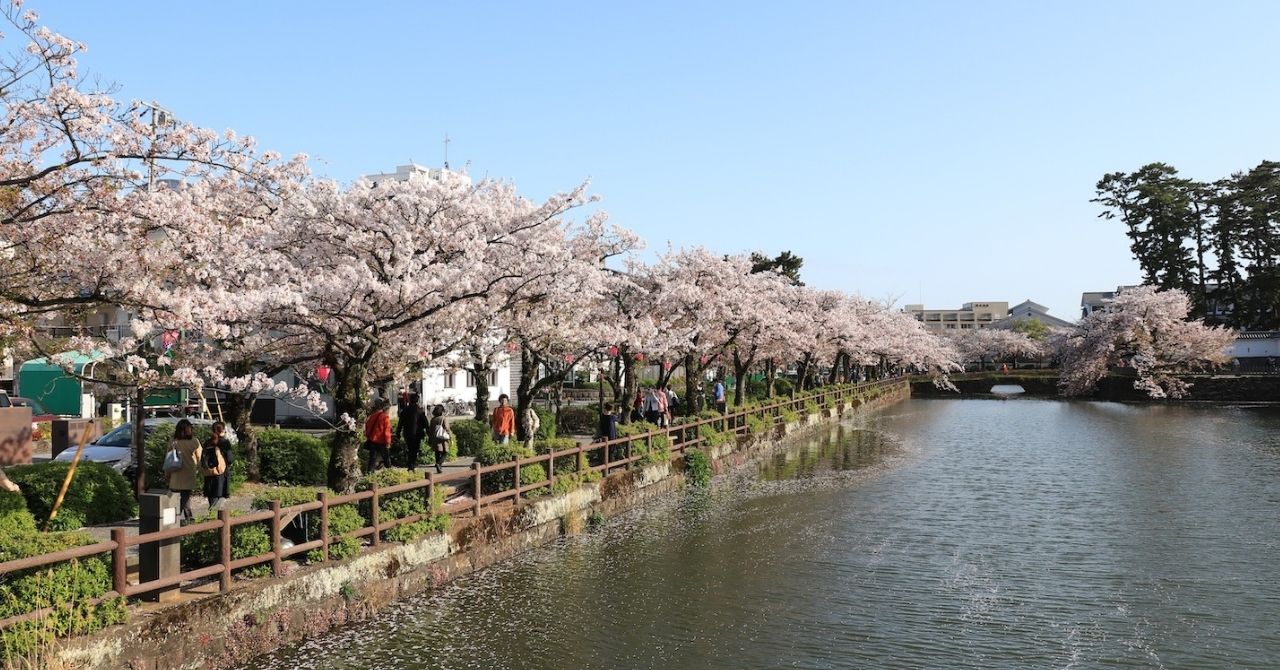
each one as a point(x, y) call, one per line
point(788, 415)
point(472, 436)
point(697, 468)
point(405, 504)
point(658, 452)
point(811, 407)
point(637, 447)
point(563, 464)
point(66, 588)
point(249, 539)
point(580, 419)
point(342, 519)
point(97, 495)
point(494, 454)
point(710, 436)
point(290, 457)
point(547, 425)
point(757, 425)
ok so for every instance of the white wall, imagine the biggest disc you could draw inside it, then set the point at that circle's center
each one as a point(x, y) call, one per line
point(1254, 348)
point(439, 385)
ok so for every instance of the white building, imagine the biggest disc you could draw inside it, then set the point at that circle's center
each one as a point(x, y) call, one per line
point(989, 314)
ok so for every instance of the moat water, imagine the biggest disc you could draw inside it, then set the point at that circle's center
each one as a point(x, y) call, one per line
point(1014, 533)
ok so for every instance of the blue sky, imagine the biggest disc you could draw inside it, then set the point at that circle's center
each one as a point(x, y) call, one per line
point(922, 151)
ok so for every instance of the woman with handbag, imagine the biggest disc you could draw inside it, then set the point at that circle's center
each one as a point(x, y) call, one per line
point(438, 436)
point(215, 464)
point(181, 464)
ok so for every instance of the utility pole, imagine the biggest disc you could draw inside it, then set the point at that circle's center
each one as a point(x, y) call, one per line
point(160, 117)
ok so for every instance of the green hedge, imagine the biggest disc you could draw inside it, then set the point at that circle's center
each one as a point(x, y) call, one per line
point(579, 419)
point(249, 539)
point(66, 587)
point(290, 457)
point(98, 494)
point(546, 425)
point(405, 504)
point(472, 436)
point(342, 519)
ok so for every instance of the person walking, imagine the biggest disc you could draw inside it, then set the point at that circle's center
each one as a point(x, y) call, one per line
point(438, 436)
point(377, 437)
point(503, 420)
point(652, 410)
point(664, 408)
point(608, 429)
point(181, 464)
point(718, 393)
point(215, 462)
point(412, 427)
point(532, 422)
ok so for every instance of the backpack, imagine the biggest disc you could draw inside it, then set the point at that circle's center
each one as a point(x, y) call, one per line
point(212, 463)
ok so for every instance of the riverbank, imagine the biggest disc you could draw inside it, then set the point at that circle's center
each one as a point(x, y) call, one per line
point(259, 615)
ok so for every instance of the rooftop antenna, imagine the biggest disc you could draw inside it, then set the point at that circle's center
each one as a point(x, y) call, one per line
point(446, 150)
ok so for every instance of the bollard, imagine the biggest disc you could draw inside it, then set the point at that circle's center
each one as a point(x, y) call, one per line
point(158, 511)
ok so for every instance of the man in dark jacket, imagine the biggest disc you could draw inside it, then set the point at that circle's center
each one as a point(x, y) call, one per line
point(412, 428)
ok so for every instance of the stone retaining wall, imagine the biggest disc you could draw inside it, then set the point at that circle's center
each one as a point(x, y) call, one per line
point(261, 615)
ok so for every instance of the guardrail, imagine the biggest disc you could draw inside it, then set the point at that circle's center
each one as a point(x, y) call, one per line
point(604, 457)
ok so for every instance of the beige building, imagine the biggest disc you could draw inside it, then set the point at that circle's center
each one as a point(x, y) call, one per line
point(971, 315)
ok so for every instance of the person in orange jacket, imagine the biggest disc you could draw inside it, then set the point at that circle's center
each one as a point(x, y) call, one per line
point(377, 436)
point(503, 421)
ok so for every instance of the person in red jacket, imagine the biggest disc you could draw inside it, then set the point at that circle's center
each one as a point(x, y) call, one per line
point(503, 420)
point(377, 436)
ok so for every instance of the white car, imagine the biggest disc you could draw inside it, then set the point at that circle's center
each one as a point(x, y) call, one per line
point(116, 447)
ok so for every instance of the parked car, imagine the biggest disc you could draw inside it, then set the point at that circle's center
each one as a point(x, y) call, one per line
point(116, 447)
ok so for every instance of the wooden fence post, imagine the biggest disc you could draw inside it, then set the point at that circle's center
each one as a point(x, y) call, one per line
point(475, 469)
point(119, 562)
point(276, 565)
point(224, 547)
point(516, 478)
point(373, 516)
point(323, 497)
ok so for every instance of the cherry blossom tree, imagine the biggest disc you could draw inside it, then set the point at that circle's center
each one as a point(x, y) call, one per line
point(379, 278)
point(1146, 330)
point(981, 344)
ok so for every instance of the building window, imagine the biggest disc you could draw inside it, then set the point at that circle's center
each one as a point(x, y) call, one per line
point(966, 326)
point(951, 326)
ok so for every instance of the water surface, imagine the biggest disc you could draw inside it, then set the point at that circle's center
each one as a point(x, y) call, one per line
point(1013, 533)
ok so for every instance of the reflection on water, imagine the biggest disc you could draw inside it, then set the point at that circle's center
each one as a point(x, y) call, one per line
point(935, 534)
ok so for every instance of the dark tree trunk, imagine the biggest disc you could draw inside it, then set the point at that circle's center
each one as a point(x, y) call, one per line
point(741, 368)
point(480, 371)
point(526, 390)
point(630, 383)
point(349, 399)
point(691, 375)
point(239, 408)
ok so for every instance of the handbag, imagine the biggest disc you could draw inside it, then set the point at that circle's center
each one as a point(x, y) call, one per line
point(440, 433)
point(172, 460)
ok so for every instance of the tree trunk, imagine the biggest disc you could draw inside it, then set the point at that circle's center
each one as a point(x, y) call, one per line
point(691, 376)
point(139, 445)
point(525, 391)
point(480, 371)
point(630, 383)
point(239, 408)
point(349, 399)
point(740, 369)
